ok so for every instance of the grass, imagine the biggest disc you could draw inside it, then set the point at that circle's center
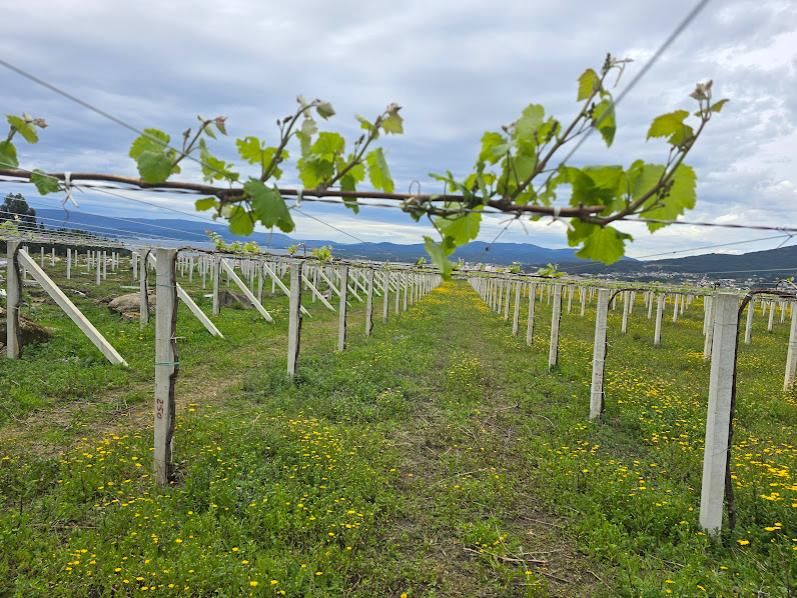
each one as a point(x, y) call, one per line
point(437, 458)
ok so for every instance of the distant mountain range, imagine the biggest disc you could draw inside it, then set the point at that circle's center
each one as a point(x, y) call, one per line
point(774, 263)
point(194, 232)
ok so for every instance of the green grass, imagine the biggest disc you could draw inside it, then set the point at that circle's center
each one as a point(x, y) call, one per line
point(437, 458)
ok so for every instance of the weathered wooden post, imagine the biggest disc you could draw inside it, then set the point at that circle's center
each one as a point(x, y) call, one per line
point(599, 355)
point(791, 354)
point(294, 318)
point(556, 317)
point(659, 313)
point(530, 320)
point(369, 302)
point(13, 296)
point(166, 362)
point(344, 291)
point(715, 454)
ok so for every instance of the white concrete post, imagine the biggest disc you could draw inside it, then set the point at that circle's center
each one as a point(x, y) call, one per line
point(344, 290)
point(599, 355)
point(516, 313)
point(143, 301)
point(659, 313)
point(791, 354)
point(556, 317)
point(13, 296)
point(708, 343)
point(530, 320)
point(68, 263)
point(583, 296)
point(675, 308)
point(715, 455)
point(771, 323)
point(626, 306)
point(294, 318)
point(386, 293)
point(650, 304)
point(369, 302)
point(165, 363)
point(569, 298)
point(215, 273)
point(748, 327)
point(98, 269)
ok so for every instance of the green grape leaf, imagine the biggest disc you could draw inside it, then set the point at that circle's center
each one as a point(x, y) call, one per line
point(439, 254)
point(378, 170)
point(269, 206)
point(603, 119)
point(460, 229)
point(365, 123)
point(682, 196)
point(717, 106)
point(588, 82)
point(155, 167)
point(149, 142)
point(603, 244)
point(668, 125)
point(393, 123)
point(241, 221)
point(642, 177)
point(206, 203)
point(8, 155)
point(328, 144)
point(44, 183)
point(528, 123)
point(250, 149)
point(494, 147)
point(27, 130)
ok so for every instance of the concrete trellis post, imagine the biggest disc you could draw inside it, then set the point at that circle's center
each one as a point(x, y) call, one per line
point(215, 273)
point(771, 323)
point(386, 292)
point(516, 313)
point(708, 344)
point(569, 298)
point(369, 302)
point(294, 318)
point(98, 269)
point(748, 327)
point(583, 296)
point(715, 456)
point(530, 321)
point(599, 355)
point(166, 362)
point(626, 309)
point(791, 355)
point(650, 304)
point(556, 317)
point(68, 263)
point(675, 308)
point(13, 295)
point(659, 314)
point(344, 289)
point(143, 300)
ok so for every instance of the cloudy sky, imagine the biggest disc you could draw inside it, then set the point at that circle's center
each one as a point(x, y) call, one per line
point(457, 68)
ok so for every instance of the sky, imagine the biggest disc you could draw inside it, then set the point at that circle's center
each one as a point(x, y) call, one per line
point(457, 69)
